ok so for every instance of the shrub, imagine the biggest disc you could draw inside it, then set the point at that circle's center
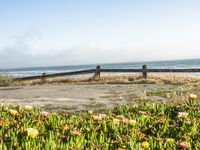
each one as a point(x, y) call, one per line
point(6, 80)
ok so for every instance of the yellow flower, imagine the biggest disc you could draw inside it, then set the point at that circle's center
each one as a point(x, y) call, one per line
point(183, 115)
point(168, 95)
point(132, 122)
point(90, 112)
point(54, 113)
point(135, 106)
point(170, 140)
point(116, 121)
point(32, 133)
point(145, 145)
point(28, 107)
point(13, 112)
point(1, 104)
point(66, 127)
point(192, 96)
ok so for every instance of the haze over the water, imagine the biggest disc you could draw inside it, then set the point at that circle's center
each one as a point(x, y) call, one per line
point(76, 32)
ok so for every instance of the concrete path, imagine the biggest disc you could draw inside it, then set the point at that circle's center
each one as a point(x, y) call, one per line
point(70, 98)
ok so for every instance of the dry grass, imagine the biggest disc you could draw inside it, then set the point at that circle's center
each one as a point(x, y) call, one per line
point(123, 79)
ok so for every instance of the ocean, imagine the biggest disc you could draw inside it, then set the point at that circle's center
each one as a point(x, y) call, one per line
point(23, 72)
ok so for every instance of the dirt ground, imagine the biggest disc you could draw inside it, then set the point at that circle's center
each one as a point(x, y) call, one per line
point(75, 98)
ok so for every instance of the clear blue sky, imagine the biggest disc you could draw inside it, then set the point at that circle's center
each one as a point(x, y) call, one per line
point(70, 32)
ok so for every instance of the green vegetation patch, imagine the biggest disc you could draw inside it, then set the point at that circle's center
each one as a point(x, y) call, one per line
point(139, 126)
point(6, 80)
point(166, 94)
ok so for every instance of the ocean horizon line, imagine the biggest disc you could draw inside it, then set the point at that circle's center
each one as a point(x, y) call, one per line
point(95, 64)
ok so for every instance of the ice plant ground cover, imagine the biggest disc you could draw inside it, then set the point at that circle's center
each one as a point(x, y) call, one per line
point(142, 126)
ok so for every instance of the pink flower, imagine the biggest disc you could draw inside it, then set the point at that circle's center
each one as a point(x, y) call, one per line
point(184, 144)
point(76, 132)
point(44, 113)
point(99, 117)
